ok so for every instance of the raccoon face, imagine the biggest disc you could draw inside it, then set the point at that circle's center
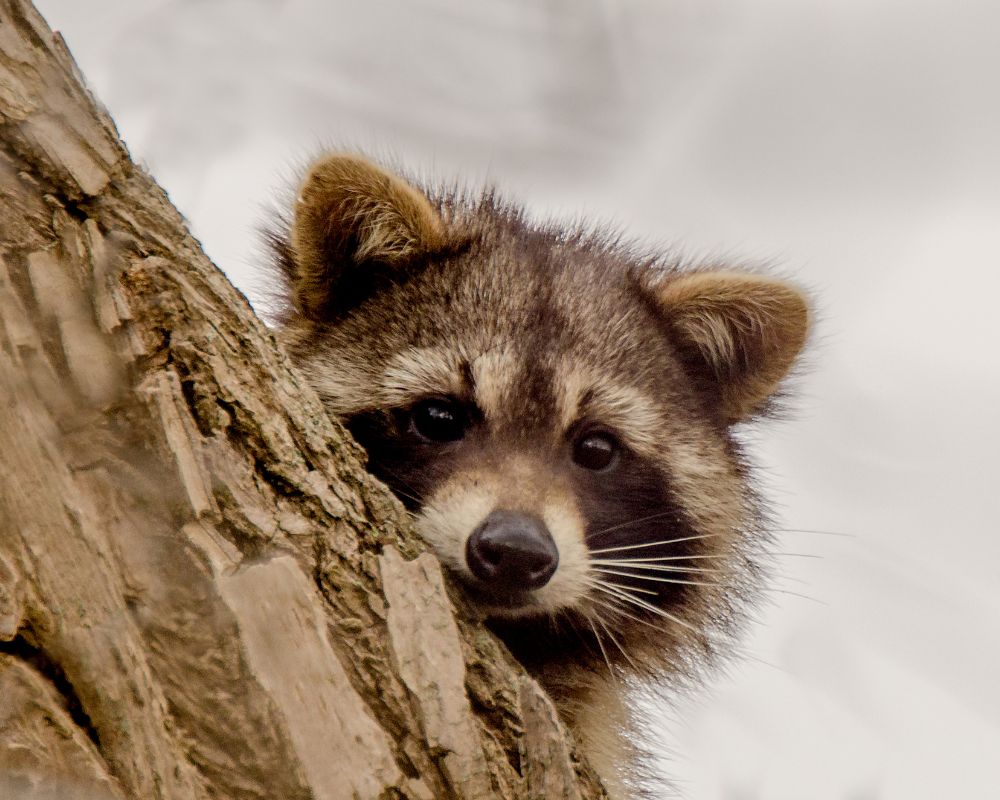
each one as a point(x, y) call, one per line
point(514, 495)
point(554, 410)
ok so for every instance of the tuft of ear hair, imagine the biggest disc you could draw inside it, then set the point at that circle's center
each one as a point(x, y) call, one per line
point(738, 333)
point(355, 224)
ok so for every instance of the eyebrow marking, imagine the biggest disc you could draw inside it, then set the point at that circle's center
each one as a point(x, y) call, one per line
point(419, 371)
point(629, 411)
point(343, 387)
point(422, 371)
point(492, 378)
point(468, 377)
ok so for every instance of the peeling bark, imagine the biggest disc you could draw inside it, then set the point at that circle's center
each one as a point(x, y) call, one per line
point(202, 593)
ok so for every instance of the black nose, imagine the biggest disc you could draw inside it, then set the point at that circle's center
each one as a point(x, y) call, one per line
point(512, 551)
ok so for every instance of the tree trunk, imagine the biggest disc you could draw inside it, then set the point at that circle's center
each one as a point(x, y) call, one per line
point(202, 593)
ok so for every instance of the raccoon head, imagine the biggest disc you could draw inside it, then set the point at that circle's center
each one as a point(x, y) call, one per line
point(555, 409)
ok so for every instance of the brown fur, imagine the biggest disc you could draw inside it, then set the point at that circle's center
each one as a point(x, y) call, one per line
point(538, 334)
point(349, 213)
point(745, 329)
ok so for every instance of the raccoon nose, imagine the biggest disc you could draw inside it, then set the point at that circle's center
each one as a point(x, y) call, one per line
point(512, 551)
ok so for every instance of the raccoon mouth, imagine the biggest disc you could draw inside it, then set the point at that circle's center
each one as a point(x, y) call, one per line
point(504, 604)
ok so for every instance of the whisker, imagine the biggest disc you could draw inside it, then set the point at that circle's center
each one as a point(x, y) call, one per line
point(634, 522)
point(628, 597)
point(600, 644)
point(667, 558)
point(598, 583)
point(635, 564)
point(791, 579)
point(618, 595)
point(820, 533)
point(614, 599)
point(654, 544)
point(614, 604)
point(655, 578)
point(632, 588)
point(604, 603)
point(410, 495)
point(797, 594)
point(617, 644)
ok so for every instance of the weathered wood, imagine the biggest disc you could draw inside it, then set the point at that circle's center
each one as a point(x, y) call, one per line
point(202, 593)
point(43, 753)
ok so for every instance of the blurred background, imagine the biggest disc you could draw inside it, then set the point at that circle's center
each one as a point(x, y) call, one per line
point(855, 145)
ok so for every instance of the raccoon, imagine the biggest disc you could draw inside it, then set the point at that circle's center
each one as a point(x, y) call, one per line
point(556, 408)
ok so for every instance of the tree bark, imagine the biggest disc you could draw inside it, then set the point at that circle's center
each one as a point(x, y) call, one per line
point(202, 593)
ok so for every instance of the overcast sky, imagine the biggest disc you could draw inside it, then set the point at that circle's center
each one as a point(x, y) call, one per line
point(854, 144)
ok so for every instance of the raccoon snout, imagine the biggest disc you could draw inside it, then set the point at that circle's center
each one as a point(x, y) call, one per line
point(512, 551)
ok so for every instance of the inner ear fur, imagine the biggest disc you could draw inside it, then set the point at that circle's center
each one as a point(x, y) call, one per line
point(355, 224)
point(738, 333)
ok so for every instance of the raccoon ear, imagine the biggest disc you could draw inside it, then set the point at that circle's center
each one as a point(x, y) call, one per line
point(738, 333)
point(355, 224)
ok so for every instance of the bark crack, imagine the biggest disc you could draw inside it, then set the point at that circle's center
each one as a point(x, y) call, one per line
point(20, 648)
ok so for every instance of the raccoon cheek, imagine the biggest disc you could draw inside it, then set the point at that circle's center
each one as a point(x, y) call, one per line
point(570, 585)
point(447, 519)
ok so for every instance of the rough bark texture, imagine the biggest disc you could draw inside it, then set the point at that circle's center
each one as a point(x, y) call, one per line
point(202, 593)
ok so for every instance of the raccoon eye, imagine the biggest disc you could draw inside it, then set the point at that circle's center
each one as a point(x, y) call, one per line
point(595, 451)
point(438, 419)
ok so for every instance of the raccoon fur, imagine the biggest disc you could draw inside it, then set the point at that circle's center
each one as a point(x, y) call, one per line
point(556, 409)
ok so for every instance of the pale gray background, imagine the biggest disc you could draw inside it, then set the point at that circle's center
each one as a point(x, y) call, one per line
point(854, 143)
